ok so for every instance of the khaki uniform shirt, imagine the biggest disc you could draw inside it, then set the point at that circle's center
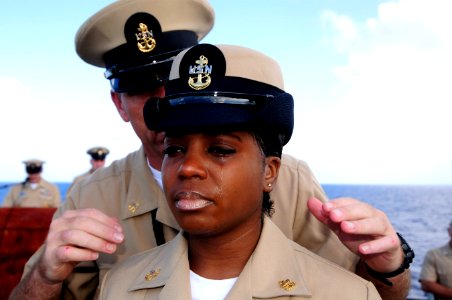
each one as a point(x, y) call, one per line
point(127, 190)
point(77, 180)
point(46, 194)
point(164, 273)
point(437, 266)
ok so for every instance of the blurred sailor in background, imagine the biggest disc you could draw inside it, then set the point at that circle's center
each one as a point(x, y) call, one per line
point(35, 191)
point(97, 161)
point(436, 273)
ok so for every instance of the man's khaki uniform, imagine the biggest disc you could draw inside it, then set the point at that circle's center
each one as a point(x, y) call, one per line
point(437, 266)
point(164, 273)
point(127, 190)
point(45, 194)
point(77, 180)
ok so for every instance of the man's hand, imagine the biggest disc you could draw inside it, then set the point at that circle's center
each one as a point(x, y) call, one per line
point(363, 229)
point(76, 236)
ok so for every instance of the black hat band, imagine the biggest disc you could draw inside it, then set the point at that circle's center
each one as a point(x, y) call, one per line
point(143, 79)
point(188, 114)
point(33, 169)
point(97, 156)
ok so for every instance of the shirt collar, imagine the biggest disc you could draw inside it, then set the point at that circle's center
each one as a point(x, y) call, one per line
point(272, 263)
point(141, 187)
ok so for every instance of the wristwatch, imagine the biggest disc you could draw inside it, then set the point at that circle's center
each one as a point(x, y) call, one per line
point(407, 260)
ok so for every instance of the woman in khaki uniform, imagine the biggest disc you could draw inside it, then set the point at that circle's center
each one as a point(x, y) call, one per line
point(226, 120)
point(35, 191)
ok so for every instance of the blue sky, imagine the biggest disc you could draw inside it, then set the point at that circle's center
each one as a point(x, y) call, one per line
point(371, 81)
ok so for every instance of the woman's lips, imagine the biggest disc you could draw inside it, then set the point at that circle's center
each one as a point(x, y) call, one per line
point(191, 201)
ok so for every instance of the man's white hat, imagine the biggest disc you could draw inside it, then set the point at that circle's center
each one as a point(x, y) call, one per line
point(130, 37)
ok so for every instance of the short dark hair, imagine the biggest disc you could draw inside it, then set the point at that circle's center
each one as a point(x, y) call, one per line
point(267, 203)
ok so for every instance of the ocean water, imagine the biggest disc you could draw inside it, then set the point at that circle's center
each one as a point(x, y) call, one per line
point(420, 213)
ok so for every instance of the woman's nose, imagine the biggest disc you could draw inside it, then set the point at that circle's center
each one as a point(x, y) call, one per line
point(193, 165)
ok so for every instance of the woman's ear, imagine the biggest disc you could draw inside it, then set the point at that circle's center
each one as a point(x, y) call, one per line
point(272, 164)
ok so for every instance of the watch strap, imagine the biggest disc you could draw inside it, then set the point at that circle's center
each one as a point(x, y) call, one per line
point(407, 260)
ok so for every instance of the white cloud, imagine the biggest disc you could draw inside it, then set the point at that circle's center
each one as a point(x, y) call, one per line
point(392, 115)
point(58, 127)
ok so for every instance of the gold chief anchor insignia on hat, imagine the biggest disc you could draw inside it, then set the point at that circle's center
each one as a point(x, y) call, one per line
point(142, 30)
point(145, 38)
point(202, 71)
point(200, 66)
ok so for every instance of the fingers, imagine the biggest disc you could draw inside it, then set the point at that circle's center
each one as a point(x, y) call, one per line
point(383, 254)
point(319, 210)
point(380, 245)
point(75, 254)
point(316, 208)
point(94, 239)
point(78, 235)
point(94, 214)
point(84, 228)
point(357, 217)
point(362, 228)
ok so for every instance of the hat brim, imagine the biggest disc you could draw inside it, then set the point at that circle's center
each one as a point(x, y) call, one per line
point(99, 34)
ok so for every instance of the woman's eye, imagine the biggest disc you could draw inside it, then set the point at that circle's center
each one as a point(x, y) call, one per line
point(171, 150)
point(222, 151)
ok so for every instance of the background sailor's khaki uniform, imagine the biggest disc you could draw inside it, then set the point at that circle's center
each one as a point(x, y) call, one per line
point(126, 189)
point(46, 194)
point(163, 273)
point(437, 266)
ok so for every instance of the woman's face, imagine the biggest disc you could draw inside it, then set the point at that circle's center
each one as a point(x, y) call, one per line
point(214, 183)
